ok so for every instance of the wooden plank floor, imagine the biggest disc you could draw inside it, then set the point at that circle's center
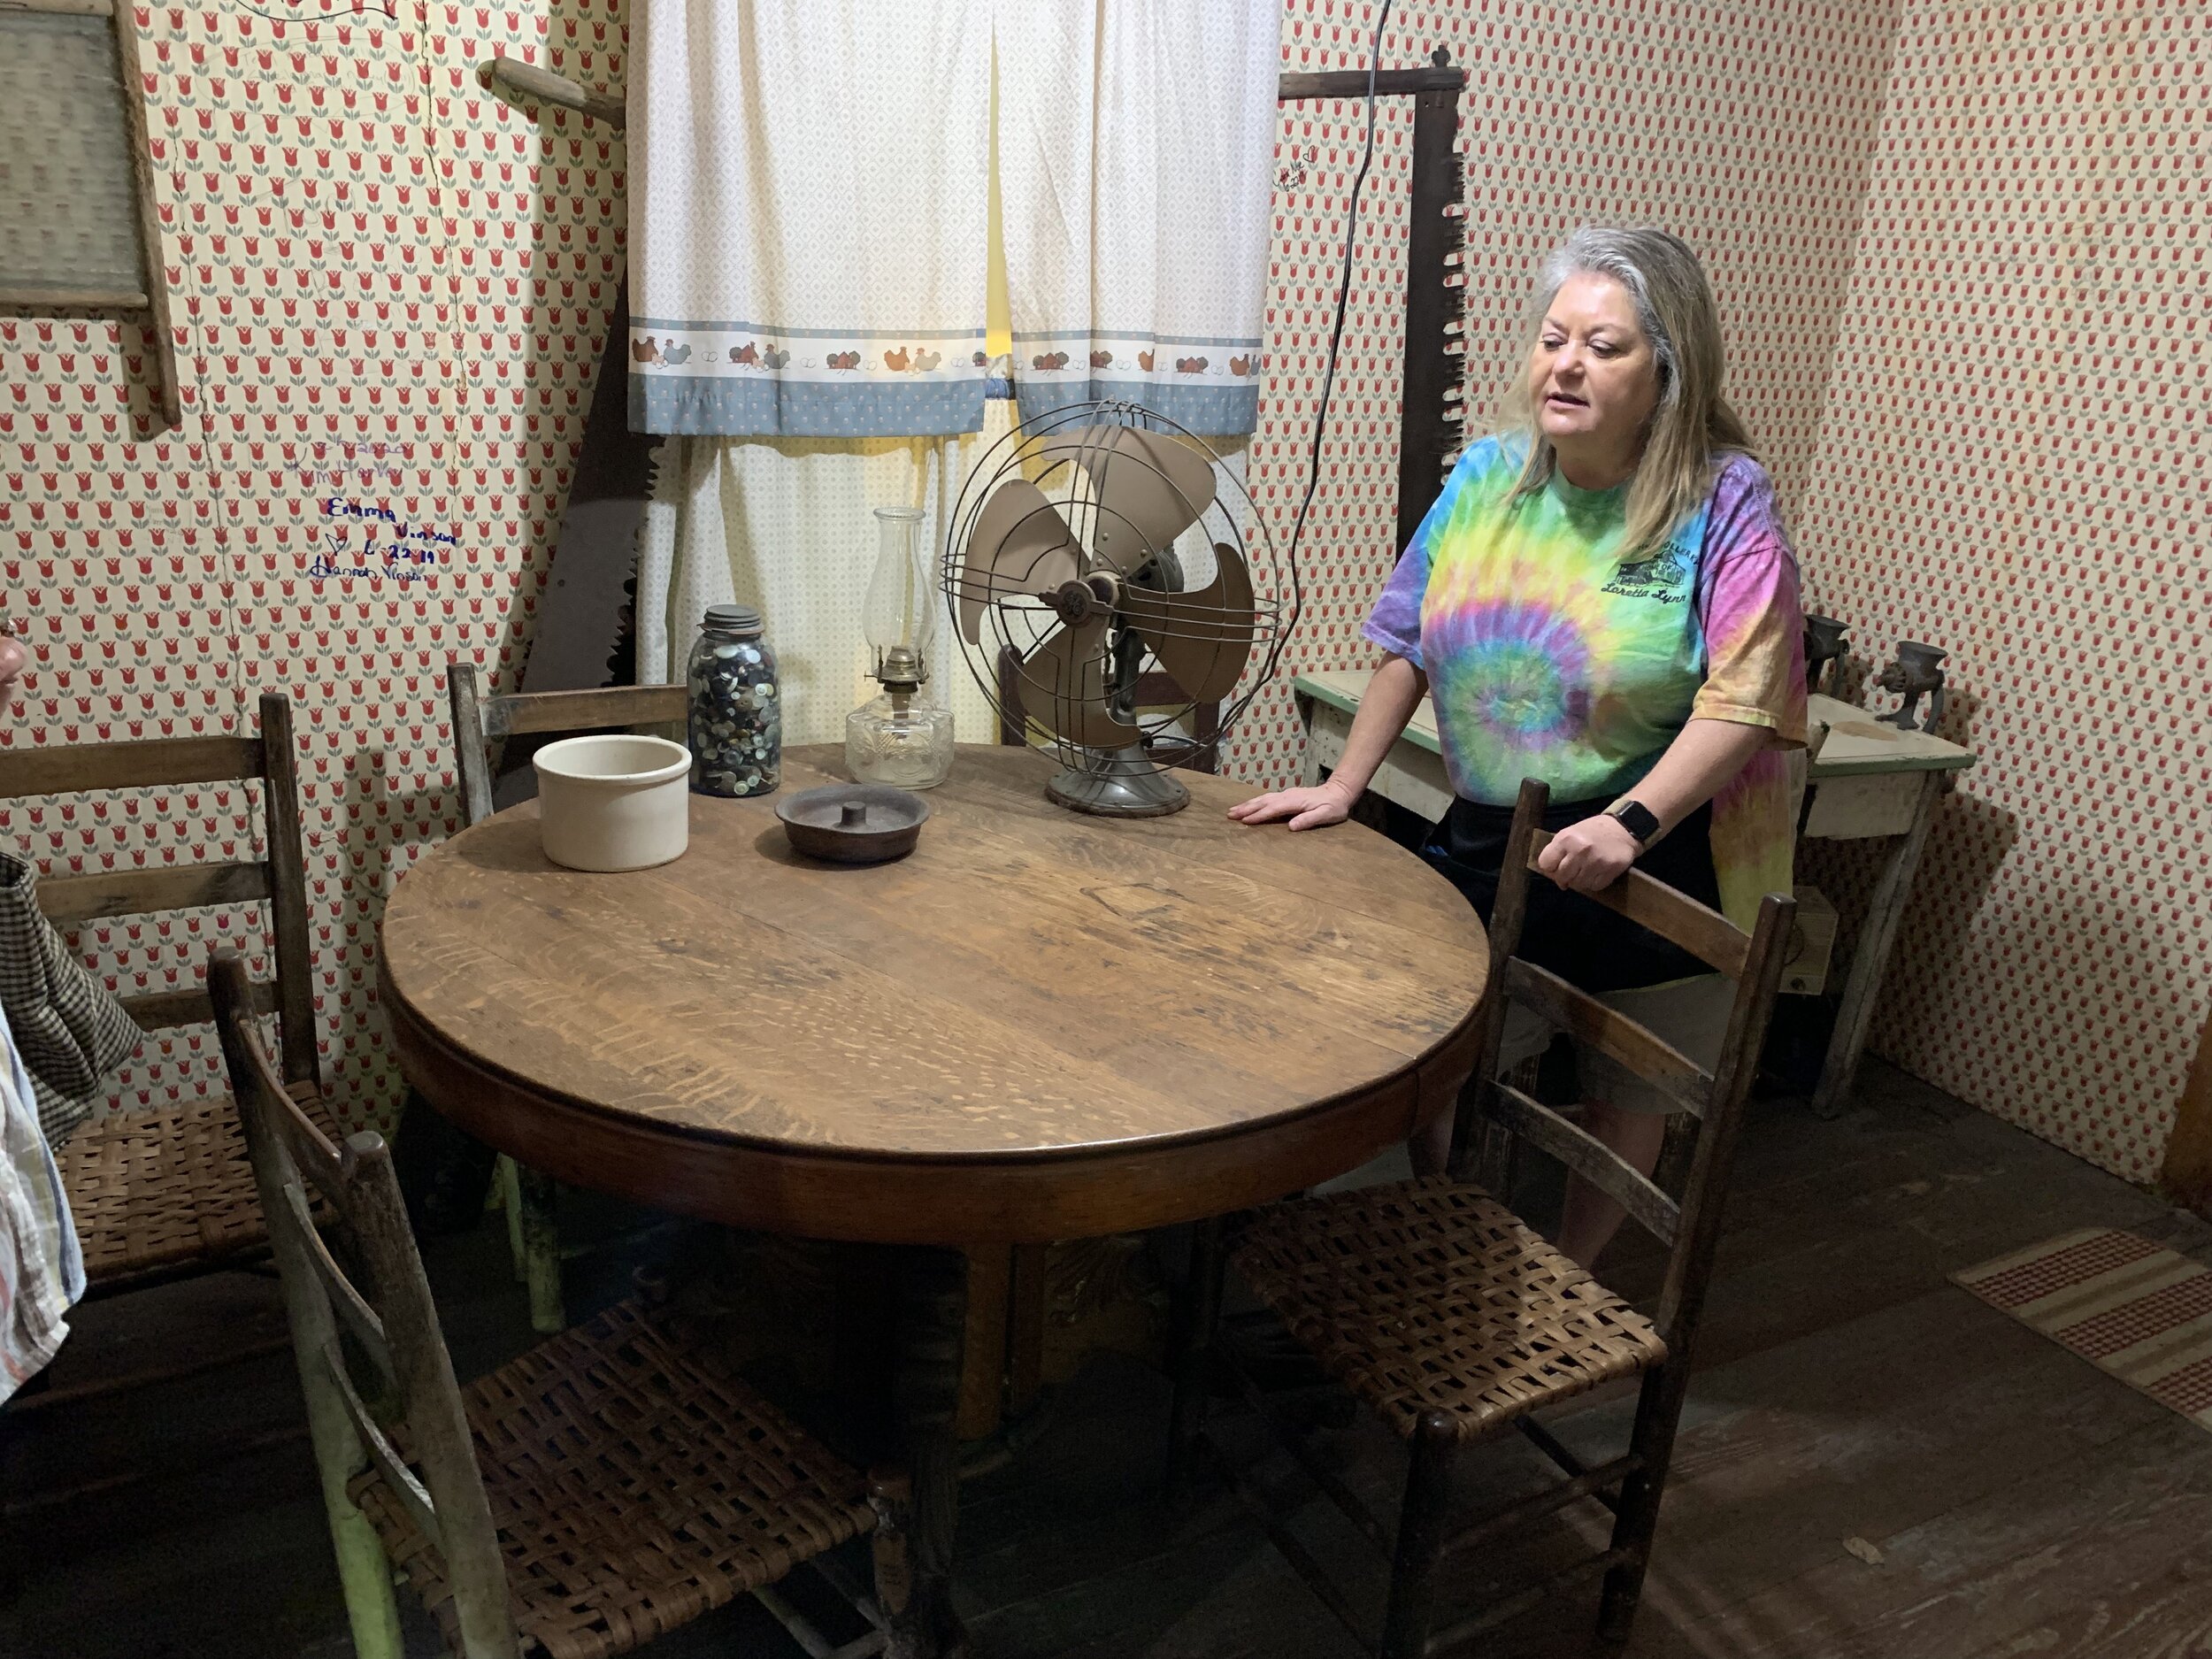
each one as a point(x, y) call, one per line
point(2016, 1501)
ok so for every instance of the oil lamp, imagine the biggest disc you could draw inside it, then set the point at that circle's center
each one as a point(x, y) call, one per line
point(897, 737)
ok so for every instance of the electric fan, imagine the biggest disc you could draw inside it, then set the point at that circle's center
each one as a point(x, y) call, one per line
point(1104, 594)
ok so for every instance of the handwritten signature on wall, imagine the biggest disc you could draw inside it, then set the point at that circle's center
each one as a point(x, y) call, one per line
point(372, 543)
point(334, 463)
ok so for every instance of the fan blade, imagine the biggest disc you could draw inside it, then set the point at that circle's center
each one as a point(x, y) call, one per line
point(1202, 638)
point(1150, 489)
point(1020, 545)
point(1063, 687)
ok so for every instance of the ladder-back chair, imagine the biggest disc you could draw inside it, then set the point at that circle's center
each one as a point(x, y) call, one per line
point(606, 1487)
point(482, 727)
point(1433, 1303)
point(168, 1193)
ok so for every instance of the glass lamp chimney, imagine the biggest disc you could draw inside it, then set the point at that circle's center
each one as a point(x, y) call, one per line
point(896, 737)
point(899, 615)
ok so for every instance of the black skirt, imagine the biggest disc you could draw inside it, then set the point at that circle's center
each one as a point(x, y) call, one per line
point(1571, 933)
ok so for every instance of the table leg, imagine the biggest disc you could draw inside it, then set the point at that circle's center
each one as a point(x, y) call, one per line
point(1026, 1328)
point(1877, 934)
point(983, 1361)
point(1308, 759)
point(932, 1320)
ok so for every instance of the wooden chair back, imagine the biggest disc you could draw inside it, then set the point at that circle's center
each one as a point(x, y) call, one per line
point(1495, 1117)
point(1200, 752)
point(482, 725)
point(367, 1330)
point(280, 876)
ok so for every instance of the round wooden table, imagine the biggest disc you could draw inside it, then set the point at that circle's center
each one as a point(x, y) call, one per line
point(1040, 1026)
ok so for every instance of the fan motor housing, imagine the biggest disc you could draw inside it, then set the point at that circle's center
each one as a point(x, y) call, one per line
point(1093, 596)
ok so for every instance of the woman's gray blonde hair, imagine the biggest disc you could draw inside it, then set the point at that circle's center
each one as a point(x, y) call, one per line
point(1693, 426)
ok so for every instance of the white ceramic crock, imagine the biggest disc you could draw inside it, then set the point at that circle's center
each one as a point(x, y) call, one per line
point(614, 801)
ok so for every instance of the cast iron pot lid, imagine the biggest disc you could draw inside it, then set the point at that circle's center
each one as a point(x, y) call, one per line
point(853, 823)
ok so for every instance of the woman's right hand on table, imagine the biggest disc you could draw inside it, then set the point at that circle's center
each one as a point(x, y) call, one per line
point(1314, 808)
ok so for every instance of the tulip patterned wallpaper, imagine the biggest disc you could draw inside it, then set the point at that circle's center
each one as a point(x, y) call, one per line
point(392, 292)
point(390, 295)
point(2013, 466)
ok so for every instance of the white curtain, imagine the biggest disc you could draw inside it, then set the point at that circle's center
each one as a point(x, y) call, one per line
point(1136, 151)
point(1134, 142)
point(807, 199)
point(787, 525)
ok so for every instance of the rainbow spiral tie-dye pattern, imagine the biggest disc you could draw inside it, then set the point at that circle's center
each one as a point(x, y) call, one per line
point(1548, 657)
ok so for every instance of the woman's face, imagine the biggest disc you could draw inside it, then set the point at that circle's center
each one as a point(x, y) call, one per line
point(1593, 379)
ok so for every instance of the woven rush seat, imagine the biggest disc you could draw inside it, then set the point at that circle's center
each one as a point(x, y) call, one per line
point(1431, 1296)
point(635, 1484)
point(149, 1190)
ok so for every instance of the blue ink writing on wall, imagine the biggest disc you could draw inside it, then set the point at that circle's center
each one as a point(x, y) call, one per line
point(336, 463)
point(388, 547)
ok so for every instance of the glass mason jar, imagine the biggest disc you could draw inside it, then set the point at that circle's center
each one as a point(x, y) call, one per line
point(736, 724)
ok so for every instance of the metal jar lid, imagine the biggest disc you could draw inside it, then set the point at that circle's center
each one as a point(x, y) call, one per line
point(742, 621)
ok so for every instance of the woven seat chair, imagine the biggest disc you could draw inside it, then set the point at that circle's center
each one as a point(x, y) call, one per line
point(165, 1194)
point(481, 728)
point(603, 1488)
point(1431, 1302)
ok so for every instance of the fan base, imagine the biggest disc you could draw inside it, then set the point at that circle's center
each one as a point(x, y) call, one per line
point(1123, 783)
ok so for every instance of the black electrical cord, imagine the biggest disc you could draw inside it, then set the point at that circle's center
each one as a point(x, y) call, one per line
point(1343, 295)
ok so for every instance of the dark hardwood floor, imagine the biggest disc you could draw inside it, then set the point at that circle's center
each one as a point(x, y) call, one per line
point(1872, 1464)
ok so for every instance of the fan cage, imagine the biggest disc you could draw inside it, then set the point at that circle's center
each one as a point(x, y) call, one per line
point(1276, 603)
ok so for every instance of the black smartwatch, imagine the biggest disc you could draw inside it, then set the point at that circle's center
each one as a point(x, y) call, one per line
point(1637, 820)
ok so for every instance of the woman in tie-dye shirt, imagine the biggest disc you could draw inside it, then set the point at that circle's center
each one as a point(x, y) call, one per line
point(1602, 598)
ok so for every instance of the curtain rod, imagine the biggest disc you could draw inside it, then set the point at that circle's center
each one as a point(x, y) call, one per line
point(521, 84)
point(1441, 75)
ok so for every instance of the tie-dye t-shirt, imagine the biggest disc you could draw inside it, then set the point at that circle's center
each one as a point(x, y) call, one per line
point(1547, 657)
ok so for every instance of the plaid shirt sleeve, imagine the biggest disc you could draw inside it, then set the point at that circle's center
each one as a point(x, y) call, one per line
point(41, 1270)
point(71, 1034)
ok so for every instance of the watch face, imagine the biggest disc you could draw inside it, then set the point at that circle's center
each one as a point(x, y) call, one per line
point(1636, 819)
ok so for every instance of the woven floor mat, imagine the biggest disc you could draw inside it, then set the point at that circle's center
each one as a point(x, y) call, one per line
point(2136, 1311)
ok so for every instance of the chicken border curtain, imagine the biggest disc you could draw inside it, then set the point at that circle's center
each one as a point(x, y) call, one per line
point(809, 197)
point(1136, 159)
point(807, 202)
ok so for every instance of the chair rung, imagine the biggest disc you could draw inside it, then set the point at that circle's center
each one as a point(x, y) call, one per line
point(1552, 1447)
point(802, 1630)
point(1300, 1560)
point(1584, 1485)
point(250, 1258)
point(221, 1454)
point(1345, 1499)
point(1498, 1612)
point(98, 1388)
point(834, 1573)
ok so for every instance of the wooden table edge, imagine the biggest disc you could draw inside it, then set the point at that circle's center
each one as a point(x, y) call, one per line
point(1013, 1198)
